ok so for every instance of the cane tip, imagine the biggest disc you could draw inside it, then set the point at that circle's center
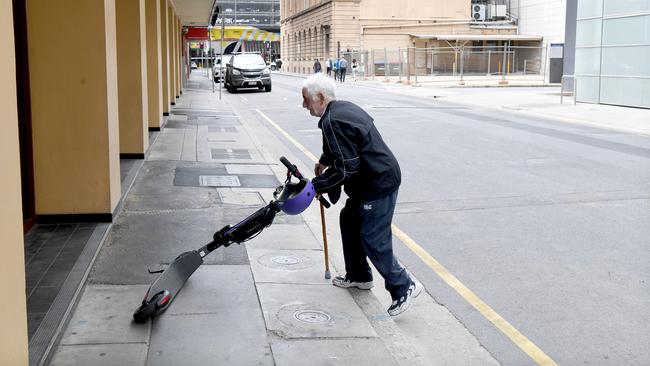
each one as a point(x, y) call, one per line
point(327, 275)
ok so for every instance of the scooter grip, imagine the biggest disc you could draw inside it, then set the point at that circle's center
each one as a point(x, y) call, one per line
point(324, 202)
point(292, 168)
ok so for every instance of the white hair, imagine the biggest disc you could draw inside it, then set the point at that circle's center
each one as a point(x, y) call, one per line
point(319, 83)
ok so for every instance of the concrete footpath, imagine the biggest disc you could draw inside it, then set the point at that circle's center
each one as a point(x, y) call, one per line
point(265, 302)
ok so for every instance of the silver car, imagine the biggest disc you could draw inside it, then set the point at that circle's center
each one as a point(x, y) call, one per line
point(247, 70)
point(216, 69)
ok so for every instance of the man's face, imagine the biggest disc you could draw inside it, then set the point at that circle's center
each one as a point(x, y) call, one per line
point(316, 106)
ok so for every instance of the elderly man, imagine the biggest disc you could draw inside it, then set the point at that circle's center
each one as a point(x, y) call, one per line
point(355, 157)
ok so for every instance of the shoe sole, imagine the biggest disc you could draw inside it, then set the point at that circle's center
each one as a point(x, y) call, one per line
point(359, 286)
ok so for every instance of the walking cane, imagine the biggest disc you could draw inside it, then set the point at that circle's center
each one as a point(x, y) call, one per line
point(322, 221)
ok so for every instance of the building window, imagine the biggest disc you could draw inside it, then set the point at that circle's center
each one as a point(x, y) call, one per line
point(612, 52)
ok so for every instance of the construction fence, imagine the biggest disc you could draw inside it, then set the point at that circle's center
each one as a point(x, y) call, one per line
point(425, 64)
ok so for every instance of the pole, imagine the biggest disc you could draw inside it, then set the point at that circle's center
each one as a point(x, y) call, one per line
point(503, 80)
point(322, 222)
point(386, 64)
point(399, 55)
point(221, 75)
point(212, 68)
point(489, 60)
point(462, 65)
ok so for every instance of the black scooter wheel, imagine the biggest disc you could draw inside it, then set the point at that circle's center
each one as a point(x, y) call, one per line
point(147, 309)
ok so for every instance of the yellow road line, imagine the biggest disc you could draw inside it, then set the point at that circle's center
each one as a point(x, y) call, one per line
point(511, 332)
point(285, 134)
point(503, 325)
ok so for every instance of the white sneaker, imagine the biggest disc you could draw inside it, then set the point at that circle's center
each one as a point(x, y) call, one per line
point(344, 282)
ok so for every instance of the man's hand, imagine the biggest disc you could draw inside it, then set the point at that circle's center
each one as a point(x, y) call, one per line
point(319, 169)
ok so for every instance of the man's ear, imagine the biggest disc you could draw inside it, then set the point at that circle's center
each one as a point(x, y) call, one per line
point(321, 97)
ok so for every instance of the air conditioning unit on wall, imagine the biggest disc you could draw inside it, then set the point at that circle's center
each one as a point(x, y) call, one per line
point(479, 12)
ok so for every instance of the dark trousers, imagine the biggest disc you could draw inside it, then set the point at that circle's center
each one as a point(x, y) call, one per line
point(342, 74)
point(365, 232)
point(329, 71)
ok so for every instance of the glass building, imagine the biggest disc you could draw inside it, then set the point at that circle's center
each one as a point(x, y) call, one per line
point(613, 51)
point(263, 14)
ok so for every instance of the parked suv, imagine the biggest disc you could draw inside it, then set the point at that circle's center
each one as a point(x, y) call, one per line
point(247, 70)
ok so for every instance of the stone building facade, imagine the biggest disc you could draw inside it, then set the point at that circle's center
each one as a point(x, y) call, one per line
point(321, 29)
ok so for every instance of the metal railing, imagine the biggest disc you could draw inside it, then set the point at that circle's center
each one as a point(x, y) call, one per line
point(421, 65)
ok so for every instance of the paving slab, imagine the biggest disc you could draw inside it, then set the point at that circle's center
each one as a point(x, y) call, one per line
point(288, 266)
point(177, 117)
point(312, 311)
point(169, 146)
point(436, 334)
point(105, 315)
point(228, 196)
point(154, 188)
point(189, 152)
point(283, 236)
point(248, 169)
point(219, 289)
point(132, 354)
point(331, 352)
point(139, 240)
point(209, 339)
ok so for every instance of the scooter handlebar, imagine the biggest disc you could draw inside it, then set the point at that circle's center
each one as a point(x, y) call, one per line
point(294, 170)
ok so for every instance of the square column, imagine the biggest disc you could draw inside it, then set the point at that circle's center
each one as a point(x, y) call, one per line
point(132, 78)
point(164, 48)
point(13, 317)
point(74, 98)
point(172, 56)
point(179, 37)
point(154, 64)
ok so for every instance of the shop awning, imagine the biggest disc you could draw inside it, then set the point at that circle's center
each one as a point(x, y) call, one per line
point(478, 37)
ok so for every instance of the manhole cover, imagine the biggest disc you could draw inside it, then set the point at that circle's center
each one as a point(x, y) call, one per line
point(312, 316)
point(286, 260)
point(219, 181)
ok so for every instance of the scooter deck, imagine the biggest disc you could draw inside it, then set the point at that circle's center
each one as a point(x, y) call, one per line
point(168, 284)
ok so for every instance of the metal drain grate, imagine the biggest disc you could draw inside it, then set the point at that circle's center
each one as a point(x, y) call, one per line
point(231, 154)
point(312, 316)
point(219, 181)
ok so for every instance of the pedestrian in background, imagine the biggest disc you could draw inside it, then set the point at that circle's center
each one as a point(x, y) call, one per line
point(356, 157)
point(355, 66)
point(335, 68)
point(328, 66)
point(343, 66)
point(317, 67)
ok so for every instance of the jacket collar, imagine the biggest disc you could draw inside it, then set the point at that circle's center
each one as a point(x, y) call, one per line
point(325, 114)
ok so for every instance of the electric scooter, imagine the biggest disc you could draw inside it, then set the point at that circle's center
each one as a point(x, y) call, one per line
point(165, 288)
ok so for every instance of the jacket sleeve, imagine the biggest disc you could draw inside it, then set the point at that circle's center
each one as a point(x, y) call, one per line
point(344, 154)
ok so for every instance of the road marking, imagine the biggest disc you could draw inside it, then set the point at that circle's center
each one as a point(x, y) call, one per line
point(285, 134)
point(244, 98)
point(503, 325)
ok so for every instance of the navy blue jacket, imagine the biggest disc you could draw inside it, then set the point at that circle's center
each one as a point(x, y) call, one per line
point(357, 156)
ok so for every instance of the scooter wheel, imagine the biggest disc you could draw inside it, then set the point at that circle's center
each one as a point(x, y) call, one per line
point(147, 309)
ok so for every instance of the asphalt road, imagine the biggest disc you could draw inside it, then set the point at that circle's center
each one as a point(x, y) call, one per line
point(546, 222)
